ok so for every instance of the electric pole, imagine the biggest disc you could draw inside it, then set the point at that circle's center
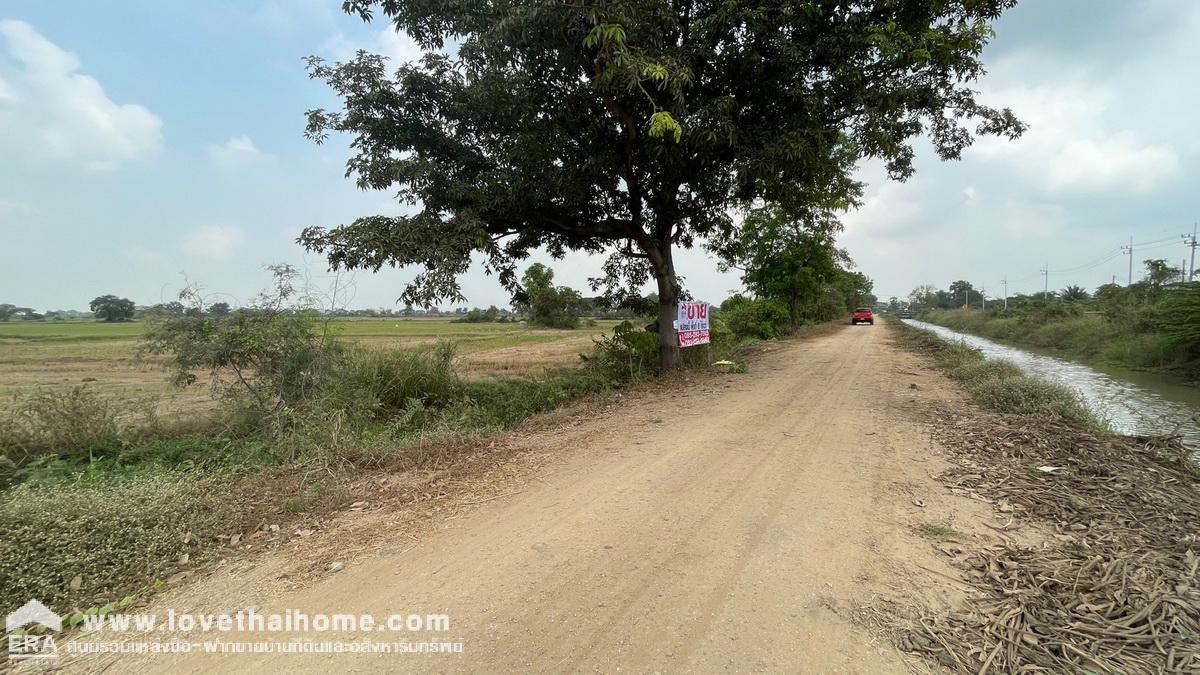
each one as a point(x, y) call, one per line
point(1190, 240)
point(1046, 273)
point(983, 297)
point(1128, 250)
point(1005, 282)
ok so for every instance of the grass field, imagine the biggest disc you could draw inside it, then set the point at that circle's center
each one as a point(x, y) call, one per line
point(62, 354)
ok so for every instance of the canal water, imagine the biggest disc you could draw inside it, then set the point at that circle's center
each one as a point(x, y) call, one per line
point(1134, 403)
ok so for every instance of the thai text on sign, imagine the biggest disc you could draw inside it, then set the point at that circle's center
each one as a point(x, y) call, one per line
point(692, 323)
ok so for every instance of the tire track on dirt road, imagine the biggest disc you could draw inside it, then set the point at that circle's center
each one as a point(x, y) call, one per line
point(728, 528)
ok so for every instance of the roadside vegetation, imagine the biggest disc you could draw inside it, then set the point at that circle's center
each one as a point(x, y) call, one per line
point(1151, 324)
point(998, 385)
point(1111, 588)
point(296, 412)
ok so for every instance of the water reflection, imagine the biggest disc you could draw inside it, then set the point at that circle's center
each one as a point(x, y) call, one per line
point(1130, 408)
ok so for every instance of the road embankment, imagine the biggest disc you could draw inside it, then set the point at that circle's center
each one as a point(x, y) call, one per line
point(1114, 587)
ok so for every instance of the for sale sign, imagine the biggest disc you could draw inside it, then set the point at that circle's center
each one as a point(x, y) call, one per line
point(692, 323)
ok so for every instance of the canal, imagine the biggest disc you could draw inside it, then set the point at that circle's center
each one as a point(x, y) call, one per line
point(1134, 403)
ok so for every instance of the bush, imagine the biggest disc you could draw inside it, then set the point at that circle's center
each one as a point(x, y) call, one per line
point(630, 353)
point(761, 318)
point(1025, 395)
point(116, 537)
point(1181, 319)
point(372, 383)
point(954, 355)
point(271, 353)
point(78, 422)
point(985, 369)
point(498, 403)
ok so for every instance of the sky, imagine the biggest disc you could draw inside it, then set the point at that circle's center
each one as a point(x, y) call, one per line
point(148, 145)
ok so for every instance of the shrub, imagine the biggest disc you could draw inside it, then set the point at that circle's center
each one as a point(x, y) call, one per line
point(116, 537)
point(1181, 319)
point(372, 383)
point(1025, 395)
point(628, 354)
point(78, 422)
point(953, 355)
point(271, 352)
point(985, 369)
point(761, 318)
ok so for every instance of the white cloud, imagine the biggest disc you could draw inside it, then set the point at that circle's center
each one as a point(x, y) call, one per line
point(52, 112)
point(235, 152)
point(9, 207)
point(394, 44)
point(398, 46)
point(1069, 147)
point(214, 242)
point(889, 207)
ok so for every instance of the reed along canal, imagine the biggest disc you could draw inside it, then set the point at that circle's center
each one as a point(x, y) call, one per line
point(1134, 403)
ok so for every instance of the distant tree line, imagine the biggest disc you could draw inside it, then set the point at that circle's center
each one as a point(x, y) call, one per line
point(1152, 322)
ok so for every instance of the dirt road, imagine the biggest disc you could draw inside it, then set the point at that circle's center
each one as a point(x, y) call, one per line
point(730, 523)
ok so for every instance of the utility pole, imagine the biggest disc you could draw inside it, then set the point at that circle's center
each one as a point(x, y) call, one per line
point(1005, 282)
point(1046, 273)
point(983, 296)
point(1128, 250)
point(1190, 240)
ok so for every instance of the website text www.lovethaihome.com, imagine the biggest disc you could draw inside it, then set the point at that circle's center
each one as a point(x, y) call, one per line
point(36, 632)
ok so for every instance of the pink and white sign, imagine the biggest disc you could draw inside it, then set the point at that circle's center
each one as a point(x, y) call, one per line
point(692, 323)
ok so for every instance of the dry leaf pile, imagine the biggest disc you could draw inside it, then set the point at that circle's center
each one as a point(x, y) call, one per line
point(1118, 588)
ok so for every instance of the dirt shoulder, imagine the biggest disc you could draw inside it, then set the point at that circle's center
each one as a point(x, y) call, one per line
point(761, 521)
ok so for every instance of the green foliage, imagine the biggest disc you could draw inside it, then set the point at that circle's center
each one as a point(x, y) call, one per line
point(548, 305)
point(114, 535)
point(381, 382)
point(761, 318)
point(645, 126)
point(271, 352)
point(1024, 395)
point(794, 261)
point(1181, 325)
point(476, 315)
point(628, 354)
point(111, 308)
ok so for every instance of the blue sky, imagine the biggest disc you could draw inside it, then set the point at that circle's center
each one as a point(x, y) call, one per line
point(146, 144)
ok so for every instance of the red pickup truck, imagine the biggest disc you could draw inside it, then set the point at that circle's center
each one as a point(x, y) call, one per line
point(862, 315)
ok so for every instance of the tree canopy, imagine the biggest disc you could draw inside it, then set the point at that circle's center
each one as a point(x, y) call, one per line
point(111, 308)
point(797, 262)
point(636, 127)
point(546, 304)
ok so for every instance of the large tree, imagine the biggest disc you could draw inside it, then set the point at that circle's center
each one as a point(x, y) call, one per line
point(636, 127)
point(112, 308)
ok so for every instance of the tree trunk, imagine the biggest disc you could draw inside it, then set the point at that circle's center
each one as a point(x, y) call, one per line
point(668, 340)
point(668, 299)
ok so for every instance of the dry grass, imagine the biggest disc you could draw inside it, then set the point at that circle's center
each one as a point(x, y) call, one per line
point(1115, 589)
point(58, 356)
